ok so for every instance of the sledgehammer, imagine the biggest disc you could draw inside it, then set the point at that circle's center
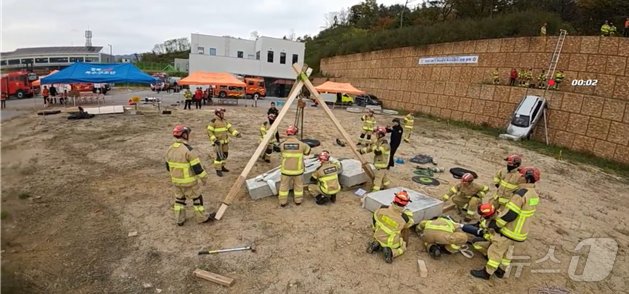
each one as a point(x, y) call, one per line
point(252, 248)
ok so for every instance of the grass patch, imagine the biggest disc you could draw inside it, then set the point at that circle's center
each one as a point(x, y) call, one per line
point(4, 215)
point(24, 195)
point(606, 165)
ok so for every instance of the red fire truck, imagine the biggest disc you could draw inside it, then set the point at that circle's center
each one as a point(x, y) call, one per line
point(18, 84)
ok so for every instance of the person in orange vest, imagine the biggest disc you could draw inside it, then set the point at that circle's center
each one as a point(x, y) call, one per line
point(626, 30)
point(45, 93)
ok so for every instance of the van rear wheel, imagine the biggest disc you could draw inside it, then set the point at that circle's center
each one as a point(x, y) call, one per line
point(222, 94)
point(20, 94)
point(256, 96)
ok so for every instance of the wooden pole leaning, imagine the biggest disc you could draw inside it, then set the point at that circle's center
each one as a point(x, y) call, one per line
point(337, 124)
point(236, 187)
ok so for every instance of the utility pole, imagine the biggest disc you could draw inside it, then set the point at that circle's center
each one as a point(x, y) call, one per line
point(111, 55)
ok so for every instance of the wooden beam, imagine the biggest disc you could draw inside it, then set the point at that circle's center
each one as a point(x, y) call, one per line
point(212, 277)
point(236, 187)
point(337, 124)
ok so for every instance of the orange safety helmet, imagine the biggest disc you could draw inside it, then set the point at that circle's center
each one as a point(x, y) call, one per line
point(324, 156)
point(531, 174)
point(292, 130)
point(179, 130)
point(380, 131)
point(401, 198)
point(513, 160)
point(467, 178)
point(486, 210)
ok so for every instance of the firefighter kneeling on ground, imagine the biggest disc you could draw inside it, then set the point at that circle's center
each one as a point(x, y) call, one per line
point(292, 167)
point(325, 180)
point(186, 171)
point(466, 195)
point(381, 152)
point(480, 230)
point(506, 181)
point(388, 223)
point(510, 225)
point(219, 130)
point(441, 235)
point(264, 128)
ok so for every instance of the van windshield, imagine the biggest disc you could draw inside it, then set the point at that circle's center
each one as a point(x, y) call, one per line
point(521, 121)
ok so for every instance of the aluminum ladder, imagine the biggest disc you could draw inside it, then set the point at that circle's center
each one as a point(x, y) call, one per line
point(550, 74)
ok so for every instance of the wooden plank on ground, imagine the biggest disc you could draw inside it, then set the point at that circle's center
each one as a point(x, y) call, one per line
point(212, 277)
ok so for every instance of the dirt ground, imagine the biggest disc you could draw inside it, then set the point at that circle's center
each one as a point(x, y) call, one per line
point(72, 191)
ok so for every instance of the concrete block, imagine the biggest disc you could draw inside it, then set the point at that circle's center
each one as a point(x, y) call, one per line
point(105, 109)
point(422, 206)
point(352, 175)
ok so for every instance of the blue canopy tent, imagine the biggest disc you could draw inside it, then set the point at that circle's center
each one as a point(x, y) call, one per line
point(99, 73)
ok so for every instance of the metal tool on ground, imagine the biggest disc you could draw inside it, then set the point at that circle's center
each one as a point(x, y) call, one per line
point(340, 142)
point(252, 247)
point(423, 159)
point(426, 181)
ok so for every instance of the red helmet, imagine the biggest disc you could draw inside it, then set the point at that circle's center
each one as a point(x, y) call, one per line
point(531, 174)
point(467, 178)
point(324, 156)
point(513, 160)
point(380, 131)
point(401, 198)
point(271, 116)
point(486, 210)
point(292, 130)
point(179, 130)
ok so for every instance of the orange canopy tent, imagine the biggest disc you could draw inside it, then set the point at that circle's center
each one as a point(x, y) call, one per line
point(332, 87)
point(212, 78)
point(38, 82)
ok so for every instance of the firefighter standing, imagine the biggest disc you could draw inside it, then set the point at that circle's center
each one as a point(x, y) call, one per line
point(264, 128)
point(187, 95)
point(506, 181)
point(369, 123)
point(381, 151)
point(388, 223)
point(541, 80)
point(495, 77)
point(511, 225)
point(219, 130)
point(466, 195)
point(441, 235)
point(325, 180)
point(409, 121)
point(186, 171)
point(559, 76)
point(292, 166)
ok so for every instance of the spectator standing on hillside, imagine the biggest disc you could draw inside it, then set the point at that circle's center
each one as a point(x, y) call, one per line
point(605, 29)
point(542, 30)
point(612, 29)
point(513, 77)
point(626, 31)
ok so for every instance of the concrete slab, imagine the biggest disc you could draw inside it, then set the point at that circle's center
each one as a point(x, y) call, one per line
point(422, 206)
point(259, 186)
point(105, 109)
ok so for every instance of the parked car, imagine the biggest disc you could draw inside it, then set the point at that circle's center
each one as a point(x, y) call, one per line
point(367, 99)
point(104, 88)
point(525, 116)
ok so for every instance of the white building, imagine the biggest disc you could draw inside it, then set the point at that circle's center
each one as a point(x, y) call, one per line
point(265, 57)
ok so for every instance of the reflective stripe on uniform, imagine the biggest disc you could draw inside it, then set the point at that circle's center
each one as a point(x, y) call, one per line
point(382, 225)
point(493, 263)
point(185, 168)
point(323, 184)
point(508, 185)
point(448, 227)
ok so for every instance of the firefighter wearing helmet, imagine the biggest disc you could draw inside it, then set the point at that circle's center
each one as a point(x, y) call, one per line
point(466, 195)
point(369, 124)
point(292, 167)
point(186, 172)
point(511, 225)
point(324, 182)
point(381, 152)
point(264, 128)
point(507, 180)
point(441, 235)
point(388, 223)
point(218, 131)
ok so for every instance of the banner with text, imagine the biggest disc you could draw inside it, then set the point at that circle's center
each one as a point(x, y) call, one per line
point(449, 59)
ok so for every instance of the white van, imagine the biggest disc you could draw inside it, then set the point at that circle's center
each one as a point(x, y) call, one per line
point(525, 116)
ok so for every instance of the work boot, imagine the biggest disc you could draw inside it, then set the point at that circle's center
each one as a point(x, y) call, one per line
point(480, 273)
point(388, 255)
point(373, 247)
point(434, 251)
point(500, 273)
point(210, 217)
point(321, 200)
point(283, 205)
point(267, 160)
point(224, 169)
point(219, 172)
point(333, 198)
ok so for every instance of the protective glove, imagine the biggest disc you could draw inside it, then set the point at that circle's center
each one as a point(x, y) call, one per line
point(445, 197)
point(238, 135)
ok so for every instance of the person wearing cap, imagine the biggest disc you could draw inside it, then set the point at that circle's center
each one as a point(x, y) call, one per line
point(511, 226)
point(441, 235)
point(186, 172)
point(219, 130)
point(466, 195)
point(325, 180)
point(396, 139)
point(388, 223)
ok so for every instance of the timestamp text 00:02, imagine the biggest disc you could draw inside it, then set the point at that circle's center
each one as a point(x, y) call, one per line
point(584, 82)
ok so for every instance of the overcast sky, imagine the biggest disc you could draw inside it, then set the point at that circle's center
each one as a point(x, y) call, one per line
point(136, 25)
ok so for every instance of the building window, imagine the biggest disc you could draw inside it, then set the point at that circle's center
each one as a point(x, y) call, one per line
point(258, 55)
point(41, 60)
point(89, 59)
point(58, 59)
point(14, 61)
point(3, 62)
point(240, 54)
point(295, 58)
point(200, 50)
point(212, 51)
point(76, 59)
point(27, 60)
point(269, 56)
point(282, 58)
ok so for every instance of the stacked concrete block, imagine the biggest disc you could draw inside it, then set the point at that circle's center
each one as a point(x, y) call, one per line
point(422, 205)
